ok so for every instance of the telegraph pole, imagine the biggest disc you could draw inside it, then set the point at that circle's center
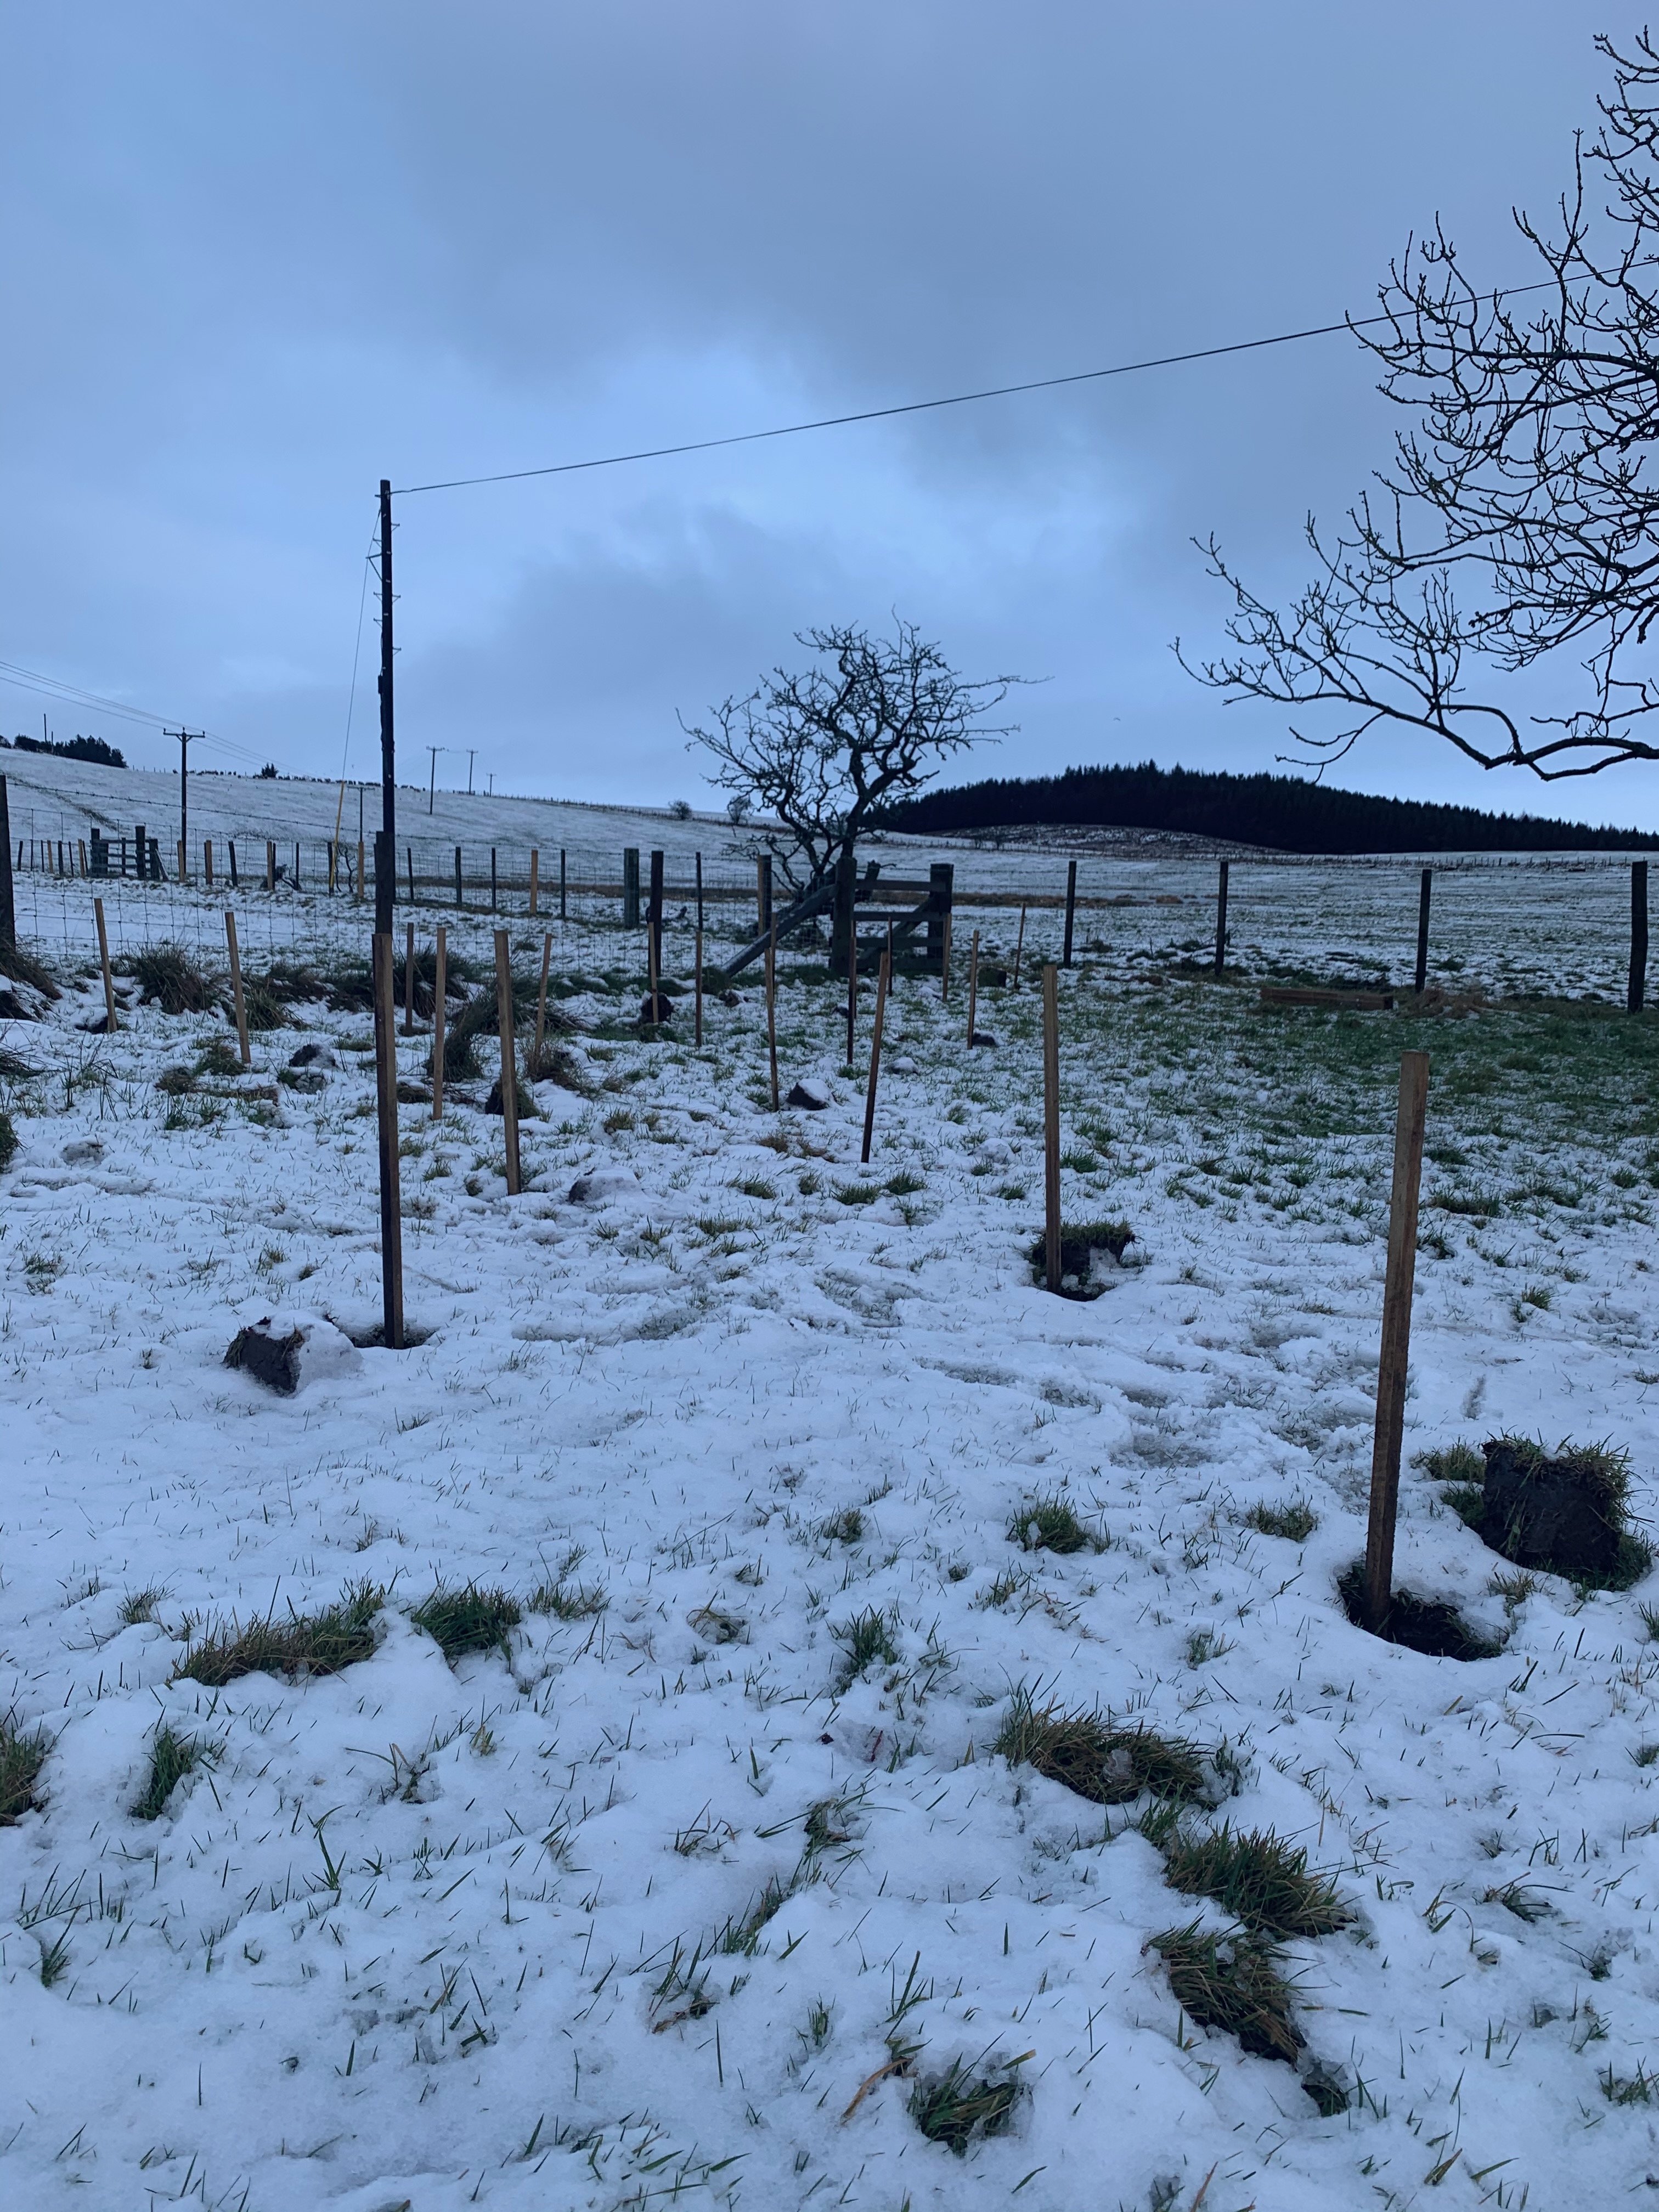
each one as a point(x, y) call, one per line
point(386, 859)
point(472, 755)
point(432, 788)
point(184, 738)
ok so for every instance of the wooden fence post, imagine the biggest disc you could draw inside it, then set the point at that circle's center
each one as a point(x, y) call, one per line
point(1051, 1125)
point(362, 872)
point(494, 900)
point(8, 893)
point(230, 843)
point(541, 1006)
point(207, 861)
point(945, 961)
point(440, 985)
point(509, 1061)
point(84, 869)
point(244, 1043)
point(141, 854)
point(391, 862)
point(271, 862)
point(973, 985)
point(1071, 911)
point(941, 895)
point(1421, 984)
point(772, 1010)
point(386, 1072)
point(763, 894)
point(110, 1024)
point(563, 914)
point(651, 970)
point(1636, 991)
point(409, 859)
point(699, 894)
point(630, 887)
point(1390, 1426)
point(1020, 943)
point(181, 860)
point(1221, 921)
point(875, 1054)
point(653, 919)
point(535, 874)
point(460, 899)
point(409, 981)
point(698, 985)
point(852, 973)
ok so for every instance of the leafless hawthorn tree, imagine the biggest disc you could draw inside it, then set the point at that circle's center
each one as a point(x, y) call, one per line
point(1520, 517)
point(822, 750)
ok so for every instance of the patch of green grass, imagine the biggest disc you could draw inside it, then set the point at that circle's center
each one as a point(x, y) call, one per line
point(1078, 1243)
point(1104, 1763)
point(904, 1184)
point(741, 1935)
point(1458, 1463)
point(716, 1225)
point(568, 1600)
point(855, 1193)
point(1258, 1878)
point(1233, 1982)
point(305, 1644)
point(140, 1605)
point(8, 1142)
point(1048, 1524)
point(846, 1526)
point(467, 1618)
point(172, 1756)
point(756, 1186)
point(1295, 1522)
point(1203, 1645)
point(23, 1754)
point(955, 2107)
point(1525, 1903)
point(865, 1639)
point(168, 977)
point(1638, 2088)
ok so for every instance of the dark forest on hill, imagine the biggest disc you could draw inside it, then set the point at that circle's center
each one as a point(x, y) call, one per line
point(1284, 812)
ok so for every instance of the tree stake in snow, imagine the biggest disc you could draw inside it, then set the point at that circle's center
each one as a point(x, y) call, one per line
point(1019, 944)
point(882, 981)
point(535, 875)
point(1051, 1124)
point(973, 985)
point(1221, 921)
point(509, 1062)
point(439, 985)
point(541, 1003)
point(1396, 1338)
point(385, 1073)
point(698, 986)
point(409, 973)
point(772, 1009)
point(103, 959)
point(237, 1000)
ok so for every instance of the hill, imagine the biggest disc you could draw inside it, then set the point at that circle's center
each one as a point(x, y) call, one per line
point(1284, 812)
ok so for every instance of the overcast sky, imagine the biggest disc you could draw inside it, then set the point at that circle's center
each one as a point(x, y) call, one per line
point(257, 258)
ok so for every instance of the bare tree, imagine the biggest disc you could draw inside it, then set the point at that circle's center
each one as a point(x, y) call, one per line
point(821, 751)
point(1520, 517)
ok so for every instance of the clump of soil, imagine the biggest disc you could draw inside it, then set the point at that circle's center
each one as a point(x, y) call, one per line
point(1565, 1515)
point(1082, 1244)
point(1420, 1624)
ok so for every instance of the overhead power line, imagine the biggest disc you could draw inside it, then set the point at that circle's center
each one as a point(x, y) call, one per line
point(53, 687)
point(929, 406)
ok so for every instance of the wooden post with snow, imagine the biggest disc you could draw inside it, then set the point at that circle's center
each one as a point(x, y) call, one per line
point(439, 985)
point(409, 981)
point(243, 1043)
point(1388, 1434)
point(541, 1006)
point(535, 877)
point(385, 1081)
point(882, 982)
point(1423, 896)
point(110, 1024)
point(1636, 989)
point(697, 985)
point(1221, 921)
point(772, 1009)
point(509, 1061)
point(1020, 943)
point(1071, 911)
point(973, 985)
point(1051, 1125)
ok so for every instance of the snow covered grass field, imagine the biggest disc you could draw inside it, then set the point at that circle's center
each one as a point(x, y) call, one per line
point(654, 1844)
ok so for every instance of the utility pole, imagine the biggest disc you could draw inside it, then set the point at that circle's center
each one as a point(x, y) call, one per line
point(184, 738)
point(432, 788)
point(385, 884)
point(472, 755)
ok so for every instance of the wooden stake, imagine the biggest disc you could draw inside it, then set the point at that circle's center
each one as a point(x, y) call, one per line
point(237, 1000)
point(851, 978)
point(541, 1004)
point(1636, 989)
point(1051, 1124)
point(1020, 943)
point(181, 860)
point(772, 1009)
point(439, 985)
point(82, 842)
point(699, 985)
point(271, 863)
point(509, 1061)
point(362, 870)
point(386, 1072)
point(111, 1025)
point(207, 861)
point(973, 985)
point(882, 979)
point(651, 960)
point(1221, 922)
point(1423, 930)
point(1390, 1426)
point(535, 877)
point(1071, 911)
point(409, 981)
point(945, 962)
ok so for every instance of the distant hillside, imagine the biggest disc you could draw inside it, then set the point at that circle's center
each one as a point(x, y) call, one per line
point(1284, 812)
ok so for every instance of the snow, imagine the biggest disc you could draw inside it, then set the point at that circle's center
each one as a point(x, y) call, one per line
point(445, 1935)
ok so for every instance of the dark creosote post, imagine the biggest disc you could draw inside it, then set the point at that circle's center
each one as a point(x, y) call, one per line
point(386, 1069)
point(1423, 897)
point(1636, 990)
point(1071, 911)
point(1051, 1125)
point(1390, 1428)
point(1221, 921)
point(386, 859)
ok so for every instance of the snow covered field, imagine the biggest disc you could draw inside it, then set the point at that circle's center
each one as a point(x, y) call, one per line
point(630, 1908)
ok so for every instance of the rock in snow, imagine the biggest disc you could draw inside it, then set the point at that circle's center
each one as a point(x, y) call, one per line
point(285, 1351)
point(810, 1093)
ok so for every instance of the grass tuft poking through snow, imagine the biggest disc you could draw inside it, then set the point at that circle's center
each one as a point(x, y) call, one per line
point(467, 1618)
point(955, 2106)
point(1258, 1878)
point(1109, 1766)
point(305, 1644)
point(172, 1756)
point(1295, 1522)
point(22, 1756)
point(1048, 1524)
point(866, 1638)
point(1233, 1982)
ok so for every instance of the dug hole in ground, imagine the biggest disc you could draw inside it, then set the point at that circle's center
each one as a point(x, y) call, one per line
point(763, 1704)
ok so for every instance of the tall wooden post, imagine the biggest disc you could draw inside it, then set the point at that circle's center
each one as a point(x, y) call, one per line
point(700, 894)
point(110, 1024)
point(385, 876)
point(945, 961)
point(541, 1007)
point(363, 872)
point(973, 985)
point(1390, 1426)
point(271, 863)
point(630, 886)
point(941, 893)
point(852, 926)
point(440, 987)
point(534, 873)
point(1020, 943)
point(408, 858)
point(8, 894)
point(207, 861)
point(460, 896)
point(509, 1061)
point(1051, 1124)
point(243, 1041)
point(230, 843)
point(563, 914)
point(495, 903)
point(772, 1011)
point(1221, 922)
point(386, 1071)
point(653, 920)
point(1636, 990)
point(882, 981)
point(1422, 981)
point(1070, 910)
point(409, 981)
point(697, 987)
point(763, 894)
